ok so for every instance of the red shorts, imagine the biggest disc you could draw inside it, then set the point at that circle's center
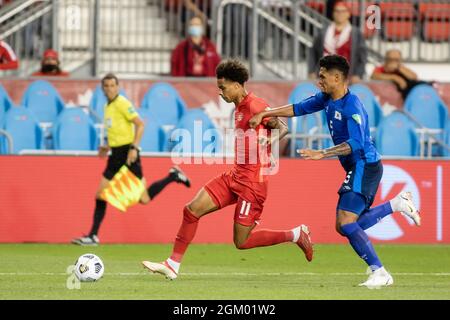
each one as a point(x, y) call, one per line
point(249, 197)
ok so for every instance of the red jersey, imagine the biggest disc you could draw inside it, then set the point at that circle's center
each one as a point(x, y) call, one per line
point(250, 158)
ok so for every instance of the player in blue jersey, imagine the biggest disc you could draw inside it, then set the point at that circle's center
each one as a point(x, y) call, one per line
point(349, 128)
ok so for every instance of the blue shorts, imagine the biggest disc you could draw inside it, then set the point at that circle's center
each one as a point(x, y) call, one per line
point(360, 186)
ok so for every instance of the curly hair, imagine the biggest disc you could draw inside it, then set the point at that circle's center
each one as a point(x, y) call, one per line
point(233, 70)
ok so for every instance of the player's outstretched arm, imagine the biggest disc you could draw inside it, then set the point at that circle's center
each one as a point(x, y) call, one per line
point(284, 111)
point(342, 149)
point(280, 125)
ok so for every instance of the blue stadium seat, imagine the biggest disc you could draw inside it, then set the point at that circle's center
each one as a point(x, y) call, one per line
point(208, 139)
point(369, 101)
point(425, 105)
point(396, 136)
point(164, 103)
point(304, 124)
point(153, 139)
point(74, 130)
point(43, 100)
point(98, 102)
point(5, 103)
point(447, 139)
point(24, 128)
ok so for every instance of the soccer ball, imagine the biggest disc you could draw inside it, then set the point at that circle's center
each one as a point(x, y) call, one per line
point(89, 267)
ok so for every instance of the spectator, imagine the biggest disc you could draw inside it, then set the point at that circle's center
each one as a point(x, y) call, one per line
point(394, 70)
point(195, 56)
point(342, 39)
point(50, 65)
point(8, 59)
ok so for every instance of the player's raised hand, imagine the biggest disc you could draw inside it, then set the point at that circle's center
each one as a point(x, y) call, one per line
point(309, 154)
point(103, 151)
point(255, 120)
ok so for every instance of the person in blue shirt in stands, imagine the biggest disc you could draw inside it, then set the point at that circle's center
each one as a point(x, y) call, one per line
point(349, 128)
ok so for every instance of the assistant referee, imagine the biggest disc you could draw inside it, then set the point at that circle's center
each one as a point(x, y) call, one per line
point(124, 130)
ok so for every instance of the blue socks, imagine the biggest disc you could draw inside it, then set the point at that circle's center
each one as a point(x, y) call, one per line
point(374, 215)
point(361, 244)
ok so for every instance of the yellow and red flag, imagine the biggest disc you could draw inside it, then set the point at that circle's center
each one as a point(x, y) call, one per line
point(124, 190)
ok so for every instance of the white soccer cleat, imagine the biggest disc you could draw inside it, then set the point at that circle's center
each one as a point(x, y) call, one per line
point(404, 204)
point(377, 279)
point(161, 268)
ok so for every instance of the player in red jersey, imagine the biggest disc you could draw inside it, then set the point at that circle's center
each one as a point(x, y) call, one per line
point(244, 185)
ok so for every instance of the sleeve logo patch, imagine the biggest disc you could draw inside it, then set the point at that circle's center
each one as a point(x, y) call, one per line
point(131, 110)
point(357, 118)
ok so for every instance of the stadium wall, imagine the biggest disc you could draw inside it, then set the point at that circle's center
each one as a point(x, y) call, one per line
point(197, 92)
point(51, 199)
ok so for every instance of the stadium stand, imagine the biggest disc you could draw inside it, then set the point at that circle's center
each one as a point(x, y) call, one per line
point(153, 139)
point(398, 20)
point(74, 130)
point(97, 103)
point(396, 136)
point(24, 128)
point(425, 105)
point(164, 104)
point(196, 121)
point(43, 100)
point(312, 124)
point(435, 18)
point(5, 102)
point(369, 101)
point(447, 139)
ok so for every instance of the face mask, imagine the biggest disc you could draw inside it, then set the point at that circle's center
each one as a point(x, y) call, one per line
point(47, 68)
point(195, 31)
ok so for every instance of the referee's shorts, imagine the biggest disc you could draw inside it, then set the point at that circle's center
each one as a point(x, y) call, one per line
point(118, 158)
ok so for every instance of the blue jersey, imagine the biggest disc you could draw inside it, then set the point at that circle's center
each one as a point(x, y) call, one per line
point(347, 121)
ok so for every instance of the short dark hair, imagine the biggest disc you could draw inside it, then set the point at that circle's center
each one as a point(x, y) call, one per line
point(110, 76)
point(233, 70)
point(336, 62)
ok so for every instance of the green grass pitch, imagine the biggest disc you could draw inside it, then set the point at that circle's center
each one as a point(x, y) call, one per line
point(212, 271)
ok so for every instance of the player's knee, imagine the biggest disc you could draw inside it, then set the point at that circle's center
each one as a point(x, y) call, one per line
point(195, 208)
point(338, 229)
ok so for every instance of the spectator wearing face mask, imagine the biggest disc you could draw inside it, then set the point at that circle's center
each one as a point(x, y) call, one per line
point(195, 56)
point(50, 65)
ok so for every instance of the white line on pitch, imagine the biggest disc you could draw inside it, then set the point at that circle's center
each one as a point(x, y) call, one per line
point(439, 274)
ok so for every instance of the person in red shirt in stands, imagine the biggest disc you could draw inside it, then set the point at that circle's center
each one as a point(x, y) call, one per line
point(50, 65)
point(195, 56)
point(340, 38)
point(8, 59)
point(395, 71)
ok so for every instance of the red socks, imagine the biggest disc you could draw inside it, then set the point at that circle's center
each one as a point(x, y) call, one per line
point(260, 238)
point(185, 235)
point(265, 237)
